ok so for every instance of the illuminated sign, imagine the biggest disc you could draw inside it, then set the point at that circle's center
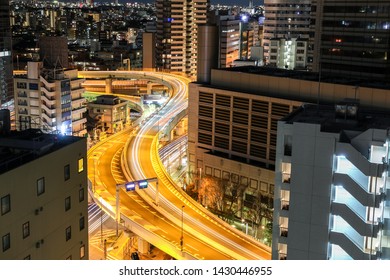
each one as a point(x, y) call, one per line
point(130, 186)
point(143, 184)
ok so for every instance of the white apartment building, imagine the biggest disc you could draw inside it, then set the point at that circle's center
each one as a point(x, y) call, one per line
point(332, 187)
point(50, 100)
point(43, 196)
point(288, 54)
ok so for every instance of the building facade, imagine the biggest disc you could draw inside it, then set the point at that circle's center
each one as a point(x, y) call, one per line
point(50, 100)
point(43, 196)
point(111, 112)
point(332, 185)
point(289, 54)
point(351, 38)
point(229, 40)
point(232, 137)
point(177, 29)
point(232, 121)
point(286, 19)
point(6, 65)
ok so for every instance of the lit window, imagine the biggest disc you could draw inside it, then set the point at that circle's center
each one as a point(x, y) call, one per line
point(5, 204)
point(40, 186)
point(82, 251)
point(81, 165)
point(26, 229)
point(6, 240)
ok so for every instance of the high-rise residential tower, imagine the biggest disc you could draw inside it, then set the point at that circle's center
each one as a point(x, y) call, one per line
point(332, 189)
point(177, 28)
point(6, 83)
point(285, 19)
point(351, 38)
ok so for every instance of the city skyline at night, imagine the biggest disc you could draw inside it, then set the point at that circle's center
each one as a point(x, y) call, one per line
point(201, 132)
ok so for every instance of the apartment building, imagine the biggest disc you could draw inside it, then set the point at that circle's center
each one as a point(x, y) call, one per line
point(287, 19)
point(289, 54)
point(111, 112)
point(6, 65)
point(43, 196)
point(332, 184)
point(177, 29)
point(51, 100)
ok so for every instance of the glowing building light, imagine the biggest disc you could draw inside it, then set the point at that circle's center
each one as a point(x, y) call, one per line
point(143, 184)
point(130, 186)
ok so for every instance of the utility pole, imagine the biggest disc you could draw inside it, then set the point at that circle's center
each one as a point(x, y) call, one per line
point(182, 229)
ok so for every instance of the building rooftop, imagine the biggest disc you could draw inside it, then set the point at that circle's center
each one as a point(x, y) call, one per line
point(108, 99)
point(20, 147)
point(343, 116)
point(310, 76)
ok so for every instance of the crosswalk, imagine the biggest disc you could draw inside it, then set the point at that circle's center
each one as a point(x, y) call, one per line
point(99, 237)
point(96, 229)
point(95, 217)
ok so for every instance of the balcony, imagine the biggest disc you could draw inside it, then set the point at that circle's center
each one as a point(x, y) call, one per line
point(49, 111)
point(350, 247)
point(48, 101)
point(357, 159)
point(364, 228)
point(79, 121)
point(49, 94)
point(77, 101)
point(286, 178)
point(285, 205)
point(22, 94)
point(282, 256)
point(23, 112)
point(47, 84)
point(359, 192)
point(284, 232)
point(79, 110)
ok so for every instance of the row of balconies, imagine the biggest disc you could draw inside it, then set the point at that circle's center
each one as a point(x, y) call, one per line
point(356, 182)
point(349, 215)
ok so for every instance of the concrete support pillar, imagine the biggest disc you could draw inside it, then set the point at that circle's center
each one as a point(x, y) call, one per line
point(109, 85)
point(149, 87)
point(143, 246)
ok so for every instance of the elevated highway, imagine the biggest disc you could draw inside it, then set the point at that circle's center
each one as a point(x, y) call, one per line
point(162, 214)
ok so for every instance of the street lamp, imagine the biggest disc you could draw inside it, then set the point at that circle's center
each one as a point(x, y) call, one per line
point(182, 229)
